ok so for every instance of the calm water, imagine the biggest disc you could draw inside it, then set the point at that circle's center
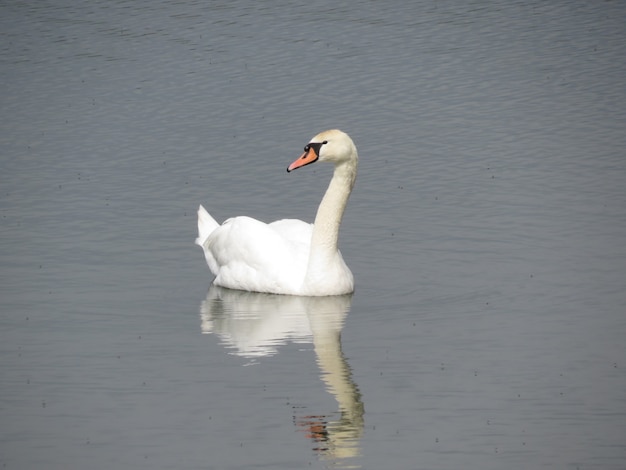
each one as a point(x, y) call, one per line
point(486, 233)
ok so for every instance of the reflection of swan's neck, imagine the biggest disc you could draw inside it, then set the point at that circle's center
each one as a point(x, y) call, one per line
point(330, 212)
point(337, 375)
point(343, 435)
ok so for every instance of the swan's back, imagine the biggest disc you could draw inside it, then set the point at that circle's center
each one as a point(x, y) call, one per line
point(247, 254)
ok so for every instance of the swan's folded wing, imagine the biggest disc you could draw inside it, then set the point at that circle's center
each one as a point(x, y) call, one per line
point(252, 255)
point(295, 231)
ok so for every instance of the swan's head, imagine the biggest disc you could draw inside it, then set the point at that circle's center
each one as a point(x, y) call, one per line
point(332, 146)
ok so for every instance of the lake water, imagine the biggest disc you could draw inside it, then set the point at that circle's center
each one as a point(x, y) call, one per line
point(486, 233)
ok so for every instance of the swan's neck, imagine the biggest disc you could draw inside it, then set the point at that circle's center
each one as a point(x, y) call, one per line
point(330, 213)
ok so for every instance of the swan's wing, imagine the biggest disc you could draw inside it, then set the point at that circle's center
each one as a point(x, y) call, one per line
point(247, 254)
point(297, 235)
point(295, 231)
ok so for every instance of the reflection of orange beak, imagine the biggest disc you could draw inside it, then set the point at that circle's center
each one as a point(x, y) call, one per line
point(306, 158)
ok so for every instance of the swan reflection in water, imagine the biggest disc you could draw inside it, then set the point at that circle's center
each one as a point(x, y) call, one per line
point(254, 325)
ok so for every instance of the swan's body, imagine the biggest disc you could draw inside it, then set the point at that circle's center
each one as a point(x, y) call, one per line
point(288, 256)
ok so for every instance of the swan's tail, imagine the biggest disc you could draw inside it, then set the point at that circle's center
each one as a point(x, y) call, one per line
point(206, 225)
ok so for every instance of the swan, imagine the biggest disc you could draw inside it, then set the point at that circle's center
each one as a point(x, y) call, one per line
point(288, 256)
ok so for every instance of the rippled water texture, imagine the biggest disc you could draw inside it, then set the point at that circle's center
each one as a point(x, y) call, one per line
point(486, 234)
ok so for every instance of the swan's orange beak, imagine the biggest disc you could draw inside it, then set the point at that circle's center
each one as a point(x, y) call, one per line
point(309, 156)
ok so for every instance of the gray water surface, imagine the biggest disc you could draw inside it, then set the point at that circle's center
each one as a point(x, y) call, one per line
point(486, 233)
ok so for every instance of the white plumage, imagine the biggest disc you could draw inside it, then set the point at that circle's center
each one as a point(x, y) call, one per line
point(288, 256)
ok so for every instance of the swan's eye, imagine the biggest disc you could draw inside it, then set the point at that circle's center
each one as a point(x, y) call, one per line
point(315, 146)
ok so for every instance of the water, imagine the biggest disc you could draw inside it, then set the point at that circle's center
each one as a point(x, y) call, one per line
point(486, 233)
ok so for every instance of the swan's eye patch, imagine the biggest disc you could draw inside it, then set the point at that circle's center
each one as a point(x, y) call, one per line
point(316, 146)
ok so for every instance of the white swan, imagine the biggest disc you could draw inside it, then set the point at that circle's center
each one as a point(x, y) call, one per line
point(288, 256)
